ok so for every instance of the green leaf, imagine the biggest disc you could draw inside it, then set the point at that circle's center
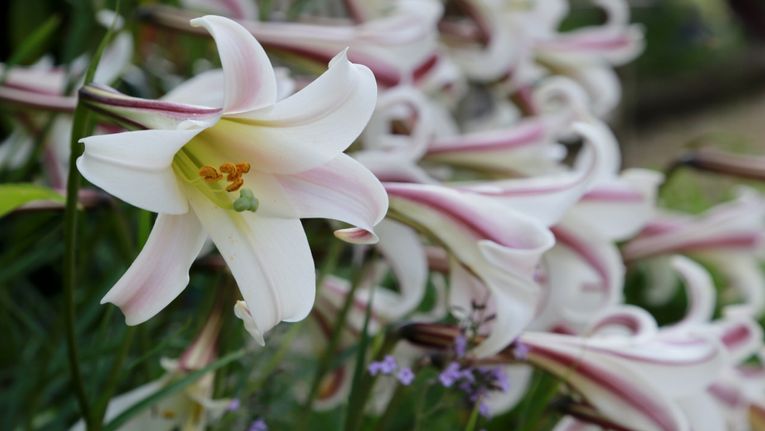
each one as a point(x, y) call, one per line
point(13, 196)
point(34, 44)
point(170, 389)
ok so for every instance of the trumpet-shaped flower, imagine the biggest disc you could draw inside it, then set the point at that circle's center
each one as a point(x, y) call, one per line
point(244, 171)
point(488, 240)
point(729, 236)
point(642, 380)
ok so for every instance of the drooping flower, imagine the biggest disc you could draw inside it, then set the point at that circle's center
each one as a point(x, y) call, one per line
point(492, 246)
point(241, 167)
point(191, 409)
point(520, 42)
point(399, 46)
point(729, 236)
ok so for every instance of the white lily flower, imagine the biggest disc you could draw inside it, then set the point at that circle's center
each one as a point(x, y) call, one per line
point(283, 158)
point(488, 240)
point(644, 380)
point(729, 236)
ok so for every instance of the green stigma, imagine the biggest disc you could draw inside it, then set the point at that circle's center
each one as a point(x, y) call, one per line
point(246, 201)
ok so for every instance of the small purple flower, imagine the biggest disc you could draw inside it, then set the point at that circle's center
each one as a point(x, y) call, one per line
point(234, 405)
point(405, 376)
point(520, 351)
point(374, 368)
point(450, 375)
point(258, 425)
point(460, 346)
point(387, 366)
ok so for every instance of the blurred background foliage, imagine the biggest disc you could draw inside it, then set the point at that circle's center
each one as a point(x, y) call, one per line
point(700, 80)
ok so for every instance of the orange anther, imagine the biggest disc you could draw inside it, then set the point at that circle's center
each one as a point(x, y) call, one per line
point(235, 185)
point(209, 174)
point(228, 168)
point(243, 167)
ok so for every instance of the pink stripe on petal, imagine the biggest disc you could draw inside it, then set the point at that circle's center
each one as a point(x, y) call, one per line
point(161, 270)
point(588, 42)
point(586, 253)
point(527, 133)
point(37, 100)
point(356, 235)
point(444, 202)
point(613, 383)
point(250, 81)
point(112, 100)
point(612, 195)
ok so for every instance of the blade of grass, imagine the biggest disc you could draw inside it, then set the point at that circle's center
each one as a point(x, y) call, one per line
point(32, 45)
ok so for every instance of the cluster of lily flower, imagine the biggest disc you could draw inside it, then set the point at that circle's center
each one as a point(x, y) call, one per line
point(458, 186)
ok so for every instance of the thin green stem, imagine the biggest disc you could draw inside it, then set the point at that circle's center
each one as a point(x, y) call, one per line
point(79, 127)
point(326, 359)
point(358, 400)
point(473, 420)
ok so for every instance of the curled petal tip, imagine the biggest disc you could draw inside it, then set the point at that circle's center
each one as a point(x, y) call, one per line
point(357, 235)
point(341, 56)
point(243, 312)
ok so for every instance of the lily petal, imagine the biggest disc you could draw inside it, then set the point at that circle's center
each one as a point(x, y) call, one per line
point(620, 207)
point(342, 189)
point(250, 82)
point(547, 198)
point(161, 271)
point(309, 128)
point(701, 292)
point(269, 258)
point(136, 167)
point(201, 90)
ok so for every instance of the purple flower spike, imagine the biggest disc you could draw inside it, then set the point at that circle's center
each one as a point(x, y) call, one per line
point(450, 375)
point(258, 425)
point(405, 376)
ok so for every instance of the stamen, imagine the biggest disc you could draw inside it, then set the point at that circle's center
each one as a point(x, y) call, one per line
point(234, 174)
point(230, 169)
point(236, 184)
point(243, 167)
point(209, 174)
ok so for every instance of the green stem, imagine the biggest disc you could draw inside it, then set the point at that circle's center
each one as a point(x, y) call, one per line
point(366, 381)
point(357, 399)
point(326, 359)
point(473, 420)
point(79, 128)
